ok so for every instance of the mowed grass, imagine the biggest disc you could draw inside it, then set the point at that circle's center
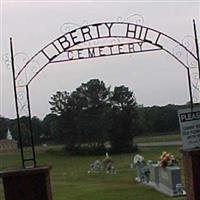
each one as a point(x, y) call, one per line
point(159, 138)
point(70, 180)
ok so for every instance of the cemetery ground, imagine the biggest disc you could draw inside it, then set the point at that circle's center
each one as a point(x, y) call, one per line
point(70, 180)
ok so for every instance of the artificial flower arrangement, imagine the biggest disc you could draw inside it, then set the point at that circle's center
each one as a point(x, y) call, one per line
point(138, 159)
point(108, 164)
point(107, 160)
point(142, 169)
point(167, 159)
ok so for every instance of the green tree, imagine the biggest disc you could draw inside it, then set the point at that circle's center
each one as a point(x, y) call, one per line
point(81, 113)
point(37, 129)
point(124, 119)
point(51, 128)
point(159, 119)
point(59, 102)
point(93, 114)
point(92, 119)
point(25, 130)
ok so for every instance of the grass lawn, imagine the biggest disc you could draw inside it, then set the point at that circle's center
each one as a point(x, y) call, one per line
point(159, 138)
point(70, 181)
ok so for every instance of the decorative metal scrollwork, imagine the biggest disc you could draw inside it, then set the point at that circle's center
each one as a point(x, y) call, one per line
point(67, 27)
point(21, 96)
point(134, 18)
point(182, 54)
point(6, 60)
point(189, 42)
point(20, 59)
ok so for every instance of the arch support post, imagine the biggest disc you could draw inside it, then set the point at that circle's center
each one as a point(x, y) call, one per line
point(190, 87)
point(33, 159)
point(197, 47)
point(20, 141)
point(30, 181)
point(16, 103)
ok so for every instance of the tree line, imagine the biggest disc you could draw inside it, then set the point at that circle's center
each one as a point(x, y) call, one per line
point(93, 115)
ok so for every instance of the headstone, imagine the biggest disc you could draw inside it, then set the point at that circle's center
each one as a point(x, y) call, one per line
point(131, 165)
point(169, 178)
point(44, 145)
point(143, 172)
point(166, 179)
point(154, 173)
point(95, 167)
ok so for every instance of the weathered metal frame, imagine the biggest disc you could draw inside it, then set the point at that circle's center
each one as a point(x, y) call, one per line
point(52, 60)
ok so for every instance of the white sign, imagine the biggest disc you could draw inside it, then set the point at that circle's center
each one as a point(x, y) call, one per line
point(189, 120)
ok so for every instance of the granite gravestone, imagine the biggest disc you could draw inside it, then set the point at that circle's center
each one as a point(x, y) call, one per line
point(169, 178)
point(154, 173)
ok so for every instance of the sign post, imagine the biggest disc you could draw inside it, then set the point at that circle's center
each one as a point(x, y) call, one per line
point(189, 120)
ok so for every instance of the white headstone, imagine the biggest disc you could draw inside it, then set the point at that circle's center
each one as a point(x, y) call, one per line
point(107, 156)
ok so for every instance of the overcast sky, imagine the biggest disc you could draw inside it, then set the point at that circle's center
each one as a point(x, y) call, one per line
point(156, 78)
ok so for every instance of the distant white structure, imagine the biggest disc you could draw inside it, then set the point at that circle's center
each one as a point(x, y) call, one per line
point(8, 144)
point(9, 136)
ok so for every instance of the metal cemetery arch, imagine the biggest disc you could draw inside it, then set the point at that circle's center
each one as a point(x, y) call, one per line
point(140, 39)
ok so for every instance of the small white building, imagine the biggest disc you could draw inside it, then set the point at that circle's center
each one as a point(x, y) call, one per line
point(8, 144)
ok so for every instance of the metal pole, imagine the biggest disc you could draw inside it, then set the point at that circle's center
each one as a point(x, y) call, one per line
point(30, 126)
point(16, 103)
point(190, 88)
point(197, 47)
